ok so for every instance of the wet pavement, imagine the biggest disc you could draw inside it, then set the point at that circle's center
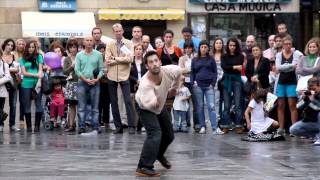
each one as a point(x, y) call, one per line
point(56, 155)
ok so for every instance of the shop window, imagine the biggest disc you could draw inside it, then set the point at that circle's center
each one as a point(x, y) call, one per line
point(198, 25)
point(230, 25)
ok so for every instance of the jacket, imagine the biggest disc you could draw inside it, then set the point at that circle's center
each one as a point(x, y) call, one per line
point(119, 68)
point(134, 76)
point(4, 78)
point(263, 70)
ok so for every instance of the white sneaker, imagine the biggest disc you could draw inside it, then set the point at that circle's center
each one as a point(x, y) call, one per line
point(14, 129)
point(217, 132)
point(317, 140)
point(1, 128)
point(202, 130)
point(92, 133)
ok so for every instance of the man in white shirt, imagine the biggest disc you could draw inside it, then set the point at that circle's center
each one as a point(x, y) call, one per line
point(155, 86)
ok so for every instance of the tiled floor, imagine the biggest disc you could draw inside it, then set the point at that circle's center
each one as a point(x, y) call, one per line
point(56, 155)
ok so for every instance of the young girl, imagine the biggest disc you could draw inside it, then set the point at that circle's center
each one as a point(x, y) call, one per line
point(57, 104)
point(180, 108)
point(259, 122)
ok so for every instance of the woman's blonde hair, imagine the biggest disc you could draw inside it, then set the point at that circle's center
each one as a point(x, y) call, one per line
point(315, 40)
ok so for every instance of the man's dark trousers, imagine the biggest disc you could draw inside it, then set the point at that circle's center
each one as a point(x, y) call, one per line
point(159, 136)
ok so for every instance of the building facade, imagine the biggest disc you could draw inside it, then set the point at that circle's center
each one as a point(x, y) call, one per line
point(239, 18)
point(32, 17)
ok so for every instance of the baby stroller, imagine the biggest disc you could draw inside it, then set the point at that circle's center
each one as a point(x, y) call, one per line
point(56, 77)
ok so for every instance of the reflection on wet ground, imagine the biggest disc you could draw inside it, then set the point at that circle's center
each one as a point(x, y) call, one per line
point(55, 155)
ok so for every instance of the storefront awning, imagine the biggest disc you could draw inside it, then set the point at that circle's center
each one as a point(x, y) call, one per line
point(57, 25)
point(141, 14)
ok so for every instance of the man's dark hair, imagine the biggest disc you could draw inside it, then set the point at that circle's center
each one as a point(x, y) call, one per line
point(148, 54)
point(168, 31)
point(187, 30)
point(314, 81)
point(101, 46)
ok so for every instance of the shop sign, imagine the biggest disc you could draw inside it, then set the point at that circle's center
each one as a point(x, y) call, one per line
point(292, 7)
point(55, 34)
point(274, 7)
point(239, 1)
point(57, 5)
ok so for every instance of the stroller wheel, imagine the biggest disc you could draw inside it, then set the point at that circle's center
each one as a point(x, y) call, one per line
point(47, 126)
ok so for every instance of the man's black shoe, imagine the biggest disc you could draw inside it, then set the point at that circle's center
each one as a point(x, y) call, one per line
point(81, 130)
point(118, 131)
point(132, 130)
point(147, 172)
point(165, 163)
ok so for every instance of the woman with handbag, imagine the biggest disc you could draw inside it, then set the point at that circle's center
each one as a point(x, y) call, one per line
point(257, 71)
point(31, 66)
point(8, 47)
point(72, 83)
point(169, 54)
point(217, 53)
point(5, 77)
point(20, 46)
point(286, 63)
point(308, 65)
point(138, 69)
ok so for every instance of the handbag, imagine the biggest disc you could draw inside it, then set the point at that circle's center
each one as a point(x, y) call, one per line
point(302, 84)
point(9, 85)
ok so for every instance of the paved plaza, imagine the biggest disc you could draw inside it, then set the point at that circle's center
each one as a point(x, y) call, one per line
point(57, 155)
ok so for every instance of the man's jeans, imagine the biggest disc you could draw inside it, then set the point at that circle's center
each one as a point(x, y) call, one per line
point(159, 136)
point(12, 104)
point(205, 92)
point(85, 93)
point(227, 99)
point(125, 87)
point(308, 129)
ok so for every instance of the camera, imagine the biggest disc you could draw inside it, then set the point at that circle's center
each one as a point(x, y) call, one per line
point(307, 93)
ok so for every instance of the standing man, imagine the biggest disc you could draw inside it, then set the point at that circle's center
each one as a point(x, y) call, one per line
point(118, 59)
point(96, 34)
point(187, 34)
point(146, 44)
point(250, 41)
point(158, 83)
point(104, 100)
point(270, 53)
point(282, 28)
point(89, 68)
point(136, 35)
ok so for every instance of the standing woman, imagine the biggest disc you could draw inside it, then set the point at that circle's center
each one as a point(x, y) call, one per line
point(72, 83)
point(310, 64)
point(203, 79)
point(4, 78)
point(8, 57)
point(286, 63)
point(217, 52)
point(138, 69)
point(258, 69)
point(20, 46)
point(185, 64)
point(231, 64)
point(169, 53)
point(31, 66)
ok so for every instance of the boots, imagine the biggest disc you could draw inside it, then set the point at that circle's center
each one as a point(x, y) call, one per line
point(37, 121)
point(28, 121)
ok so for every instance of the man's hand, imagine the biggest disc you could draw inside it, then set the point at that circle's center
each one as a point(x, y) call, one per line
point(157, 104)
point(172, 92)
point(238, 67)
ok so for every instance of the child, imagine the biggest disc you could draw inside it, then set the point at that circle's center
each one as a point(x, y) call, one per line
point(180, 108)
point(57, 104)
point(259, 122)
